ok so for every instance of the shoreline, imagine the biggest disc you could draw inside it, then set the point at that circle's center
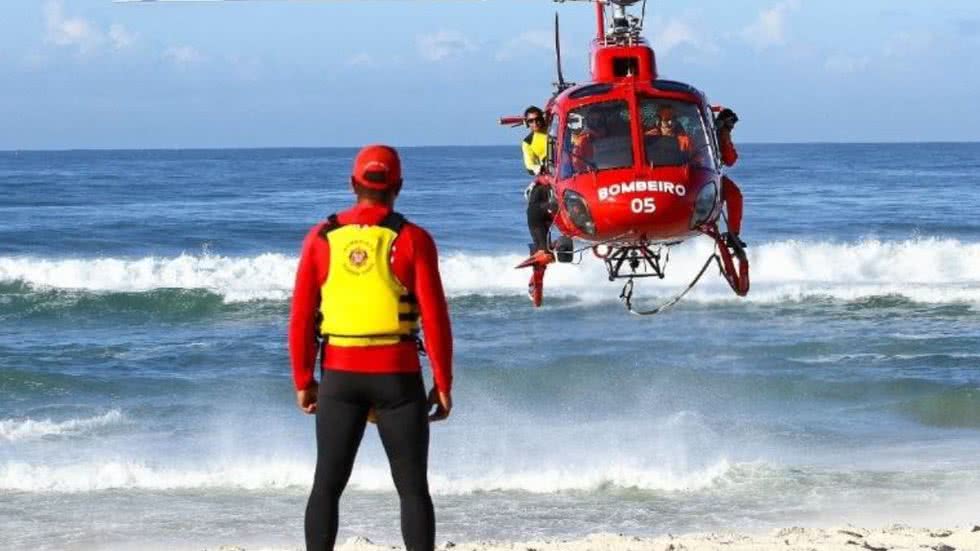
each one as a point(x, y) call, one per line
point(898, 537)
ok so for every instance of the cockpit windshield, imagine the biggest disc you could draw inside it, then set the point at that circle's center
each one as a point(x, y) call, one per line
point(674, 133)
point(597, 137)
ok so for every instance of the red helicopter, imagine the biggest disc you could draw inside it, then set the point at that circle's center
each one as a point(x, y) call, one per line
point(627, 190)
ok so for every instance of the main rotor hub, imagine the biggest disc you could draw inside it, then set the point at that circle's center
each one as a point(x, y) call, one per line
point(625, 28)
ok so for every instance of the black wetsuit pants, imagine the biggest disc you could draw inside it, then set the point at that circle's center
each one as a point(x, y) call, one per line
point(400, 403)
point(538, 217)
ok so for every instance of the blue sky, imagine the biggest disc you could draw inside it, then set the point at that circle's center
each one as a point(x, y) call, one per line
point(92, 74)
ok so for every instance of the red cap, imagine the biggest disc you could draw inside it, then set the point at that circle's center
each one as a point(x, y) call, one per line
point(377, 167)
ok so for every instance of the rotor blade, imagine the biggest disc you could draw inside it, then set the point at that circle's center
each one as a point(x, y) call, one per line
point(167, 1)
point(170, 1)
point(561, 77)
point(215, 1)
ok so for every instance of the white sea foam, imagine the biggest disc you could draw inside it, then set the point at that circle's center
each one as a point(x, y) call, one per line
point(278, 475)
point(550, 480)
point(13, 430)
point(873, 357)
point(926, 270)
point(266, 276)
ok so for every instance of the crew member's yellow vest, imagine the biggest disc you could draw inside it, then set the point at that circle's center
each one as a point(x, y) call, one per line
point(535, 149)
point(362, 303)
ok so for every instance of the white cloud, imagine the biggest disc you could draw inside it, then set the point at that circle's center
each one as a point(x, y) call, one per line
point(66, 31)
point(769, 28)
point(76, 32)
point(184, 56)
point(845, 64)
point(672, 33)
point(443, 45)
point(535, 41)
point(120, 37)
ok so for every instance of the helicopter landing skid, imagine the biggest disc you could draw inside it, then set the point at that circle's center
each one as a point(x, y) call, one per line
point(635, 261)
point(640, 260)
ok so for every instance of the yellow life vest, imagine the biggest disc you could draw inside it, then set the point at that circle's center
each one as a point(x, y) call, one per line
point(362, 303)
point(535, 149)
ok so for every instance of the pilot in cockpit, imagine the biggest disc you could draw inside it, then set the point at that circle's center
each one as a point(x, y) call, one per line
point(585, 132)
point(666, 125)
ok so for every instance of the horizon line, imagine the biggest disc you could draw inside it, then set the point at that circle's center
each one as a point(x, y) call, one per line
point(432, 146)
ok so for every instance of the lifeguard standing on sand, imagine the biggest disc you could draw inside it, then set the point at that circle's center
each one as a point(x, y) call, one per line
point(366, 277)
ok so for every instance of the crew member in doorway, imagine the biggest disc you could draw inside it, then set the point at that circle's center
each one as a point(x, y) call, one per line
point(730, 193)
point(539, 219)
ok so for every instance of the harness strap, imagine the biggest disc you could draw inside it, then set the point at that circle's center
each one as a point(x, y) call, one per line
point(332, 223)
point(393, 221)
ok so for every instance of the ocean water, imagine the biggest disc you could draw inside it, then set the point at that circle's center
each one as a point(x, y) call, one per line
point(146, 399)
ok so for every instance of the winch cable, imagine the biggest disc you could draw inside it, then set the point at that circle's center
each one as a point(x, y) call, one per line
point(626, 295)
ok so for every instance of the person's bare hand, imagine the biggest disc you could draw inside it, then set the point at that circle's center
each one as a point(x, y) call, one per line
point(443, 401)
point(306, 399)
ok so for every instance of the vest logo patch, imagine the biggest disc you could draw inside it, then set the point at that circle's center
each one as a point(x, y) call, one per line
point(358, 258)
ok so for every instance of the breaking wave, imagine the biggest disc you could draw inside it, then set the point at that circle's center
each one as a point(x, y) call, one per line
point(927, 270)
point(266, 276)
point(277, 475)
point(13, 430)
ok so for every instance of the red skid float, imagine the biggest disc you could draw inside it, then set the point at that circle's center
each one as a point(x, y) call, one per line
point(729, 254)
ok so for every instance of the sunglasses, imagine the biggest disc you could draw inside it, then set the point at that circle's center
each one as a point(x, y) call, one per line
point(533, 120)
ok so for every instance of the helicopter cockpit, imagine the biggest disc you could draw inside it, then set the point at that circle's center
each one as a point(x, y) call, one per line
point(675, 133)
point(598, 136)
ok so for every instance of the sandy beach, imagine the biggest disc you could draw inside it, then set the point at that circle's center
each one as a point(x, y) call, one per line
point(845, 538)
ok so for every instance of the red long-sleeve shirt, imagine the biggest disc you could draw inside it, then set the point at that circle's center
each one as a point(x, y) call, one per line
point(415, 264)
point(728, 153)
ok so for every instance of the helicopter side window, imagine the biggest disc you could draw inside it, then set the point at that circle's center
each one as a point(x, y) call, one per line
point(552, 159)
point(597, 137)
point(675, 133)
point(709, 117)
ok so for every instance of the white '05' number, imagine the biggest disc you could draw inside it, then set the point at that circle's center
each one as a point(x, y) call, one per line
point(644, 205)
